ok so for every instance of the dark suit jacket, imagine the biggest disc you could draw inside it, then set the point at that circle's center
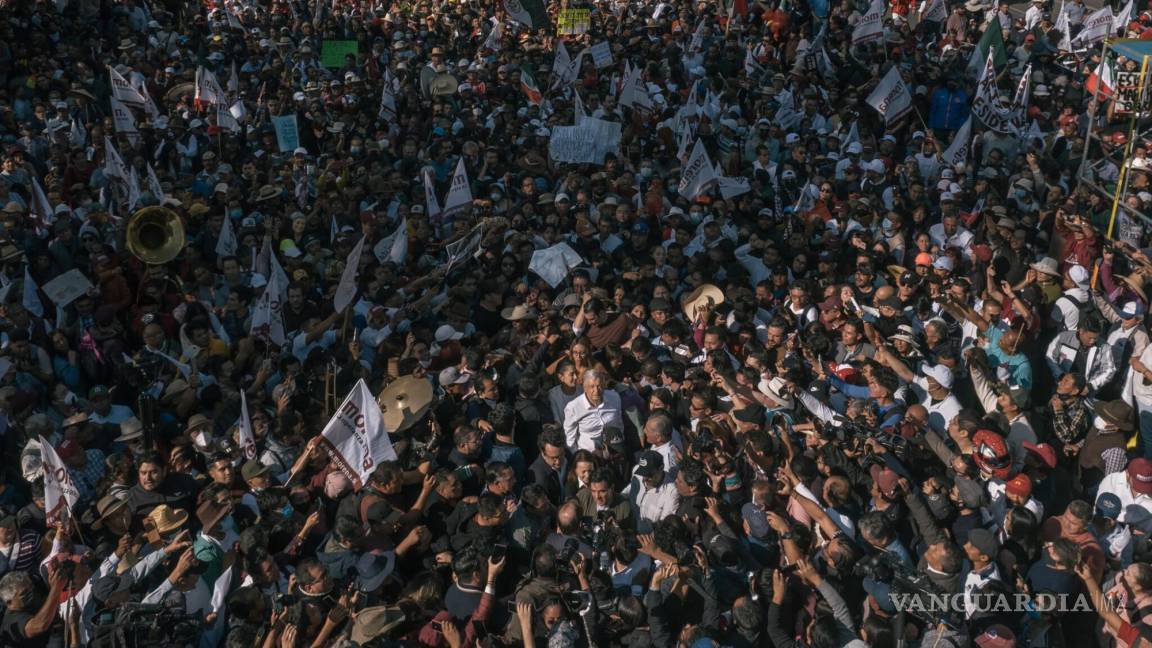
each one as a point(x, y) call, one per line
point(541, 473)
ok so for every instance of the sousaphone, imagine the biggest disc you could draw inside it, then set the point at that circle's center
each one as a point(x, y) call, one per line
point(155, 235)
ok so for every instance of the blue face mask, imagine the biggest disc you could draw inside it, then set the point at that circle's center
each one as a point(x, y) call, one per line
point(1020, 193)
point(236, 213)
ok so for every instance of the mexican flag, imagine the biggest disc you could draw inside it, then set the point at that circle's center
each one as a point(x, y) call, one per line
point(992, 40)
point(528, 85)
point(528, 12)
point(1102, 80)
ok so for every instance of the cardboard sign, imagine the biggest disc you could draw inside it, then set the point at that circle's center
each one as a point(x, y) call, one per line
point(67, 288)
point(287, 135)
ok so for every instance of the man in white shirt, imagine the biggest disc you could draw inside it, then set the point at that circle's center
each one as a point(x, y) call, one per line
point(1133, 487)
point(652, 492)
point(586, 417)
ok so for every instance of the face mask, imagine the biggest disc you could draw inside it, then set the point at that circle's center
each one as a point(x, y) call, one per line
point(355, 150)
point(695, 217)
point(1021, 194)
point(646, 172)
point(236, 213)
point(490, 402)
point(496, 197)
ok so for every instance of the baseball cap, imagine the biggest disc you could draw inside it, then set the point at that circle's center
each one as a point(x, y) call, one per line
point(452, 376)
point(1042, 451)
point(940, 373)
point(1108, 506)
point(1140, 475)
point(649, 463)
point(985, 542)
point(997, 636)
point(1020, 486)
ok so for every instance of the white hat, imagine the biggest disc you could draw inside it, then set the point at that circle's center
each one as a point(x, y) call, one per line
point(300, 150)
point(452, 376)
point(257, 280)
point(943, 263)
point(855, 148)
point(774, 389)
point(446, 332)
point(1131, 309)
point(940, 373)
point(791, 138)
point(918, 135)
point(1079, 275)
point(947, 197)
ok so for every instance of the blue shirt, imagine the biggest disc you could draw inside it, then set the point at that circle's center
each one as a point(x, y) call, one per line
point(1019, 369)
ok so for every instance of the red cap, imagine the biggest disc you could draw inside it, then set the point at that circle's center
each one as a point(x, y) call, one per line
point(1020, 486)
point(923, 259)
point(1140, 475)
point(997, 636)
point(68, 449)
point(1042, 451)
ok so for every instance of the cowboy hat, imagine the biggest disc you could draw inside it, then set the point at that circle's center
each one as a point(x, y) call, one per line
point(1135, 284)
point(1116, 413)
point(704, 295)
point(774, 389)
point(373, 622)
point(177, 91)
point(518, 312)
point(1047, 266)
point(896, 271)
point(105, 507)
point(81, 92)
point(404, 402)
point(131, 429)
point(166, 519)
point(443, 85)
point(9, 252)
point(267, 192)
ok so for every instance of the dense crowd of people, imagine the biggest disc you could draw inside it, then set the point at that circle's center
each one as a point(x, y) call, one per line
point(853, 391)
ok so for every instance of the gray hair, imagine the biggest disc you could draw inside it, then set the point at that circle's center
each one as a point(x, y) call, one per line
point(11, 585)
point(589, 374)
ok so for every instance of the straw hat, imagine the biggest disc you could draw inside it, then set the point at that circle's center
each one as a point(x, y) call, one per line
point(704, 295)
point(166, 519)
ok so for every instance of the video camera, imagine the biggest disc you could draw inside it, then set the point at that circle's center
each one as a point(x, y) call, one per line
point(855, 434)
point(885, 569)
point(136, 625)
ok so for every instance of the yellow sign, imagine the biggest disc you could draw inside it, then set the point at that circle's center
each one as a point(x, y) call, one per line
point(573, 22)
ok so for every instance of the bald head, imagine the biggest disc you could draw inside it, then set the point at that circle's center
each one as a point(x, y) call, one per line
point(568, 518)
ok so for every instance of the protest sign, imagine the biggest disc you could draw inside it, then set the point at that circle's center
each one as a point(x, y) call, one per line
point(332, 52)
point(60, 494)
point(587, 143)
point(601, 55)
point(287, 136)
point(67, 288)
point(573, 22)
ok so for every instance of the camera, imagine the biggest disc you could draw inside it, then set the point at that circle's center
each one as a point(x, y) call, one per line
point(571, 546)
point(874, 567)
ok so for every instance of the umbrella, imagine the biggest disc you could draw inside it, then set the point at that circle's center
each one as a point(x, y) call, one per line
point(553, 264)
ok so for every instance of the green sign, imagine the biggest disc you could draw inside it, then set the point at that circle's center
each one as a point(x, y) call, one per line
point(332, 53)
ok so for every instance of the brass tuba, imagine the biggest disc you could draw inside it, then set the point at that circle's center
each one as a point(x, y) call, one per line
point(155, 235)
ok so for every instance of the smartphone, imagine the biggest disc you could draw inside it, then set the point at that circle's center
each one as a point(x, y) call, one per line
point(499, 551)
point(437, 626)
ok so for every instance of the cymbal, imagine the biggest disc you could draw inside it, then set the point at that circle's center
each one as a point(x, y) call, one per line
point(405, 402)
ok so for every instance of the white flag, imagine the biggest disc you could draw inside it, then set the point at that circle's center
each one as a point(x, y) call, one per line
point(732, 186)
point(431, 206)
point(957, 152)
point(460, 193)
point(870, 27)
point(238, 112)
point(346, 291)
point(60, 494)
point(77, 137)
point(891, 98)
point(233, 81)
point(133, 185)
point(1097, 26)
point(698, 174)
point(123, 120)
point(987, 106)
point(267, 319)
point(1034, 133)
point(387, 110)
point(247, 438)
point(634, 92)
point(226, 244)
point(355, 437)
point(123, 91)
point(40, 205)
point(562, 67)
point(114, 166)
point(579, 112)
point(1018, 111)
point(225, 120)
point(31, 297)
point(1120, 22)
point(934, 10)
point(208, 90)
point(697, 42)
point(154, 186)
point(853, 136)
point(495, 36)
point(393, 247)
point(1064, 27)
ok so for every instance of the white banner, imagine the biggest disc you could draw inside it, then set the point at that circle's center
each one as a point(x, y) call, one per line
point(226, 243)
point(870, 27)
point(114, 166)
point(934, 10)
point(123, 120)
point(460, 193)
point(698, 174)
point(60, 494)
point(208, 90)
point(1097, 27)
point(986, 106)
point(1120, 22)
point(732, 186)
point(355, 437)
point(587, 143)
point(346, 290)
point(432, 206)
point(247, 438)
point(891, 98)
point(393, 247)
